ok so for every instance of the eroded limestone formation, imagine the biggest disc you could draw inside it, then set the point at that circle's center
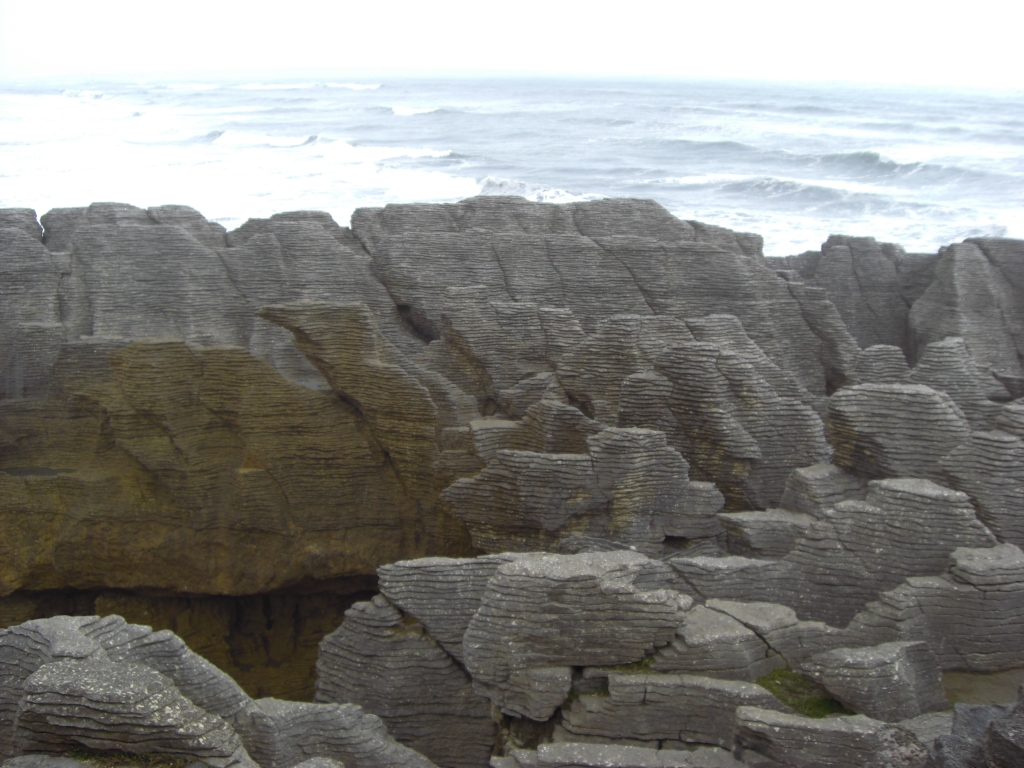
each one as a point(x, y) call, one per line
point(606, 468)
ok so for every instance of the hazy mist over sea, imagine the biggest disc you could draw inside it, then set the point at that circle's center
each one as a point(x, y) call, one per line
point(793, 162)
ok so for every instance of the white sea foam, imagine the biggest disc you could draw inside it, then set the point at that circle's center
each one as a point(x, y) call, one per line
point(275, 86)
point(355, 86)
point(537, 193)
point(409, 111)
point(792, 164)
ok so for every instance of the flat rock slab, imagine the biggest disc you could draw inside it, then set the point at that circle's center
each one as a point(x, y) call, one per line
point(685, 708)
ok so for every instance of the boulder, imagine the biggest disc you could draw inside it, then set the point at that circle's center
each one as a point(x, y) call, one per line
point(543, 614)
point(889, 682)
point(386, 663)
point(129, 707)
point(894, 430)
point(685, 708)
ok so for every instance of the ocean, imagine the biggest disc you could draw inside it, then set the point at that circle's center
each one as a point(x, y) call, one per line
point(792, 162)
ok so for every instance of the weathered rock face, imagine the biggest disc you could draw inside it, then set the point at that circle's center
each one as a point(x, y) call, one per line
point(292, 406)
point(282, 416)
point(543, 614)
point(105, 684)
point(385, 662)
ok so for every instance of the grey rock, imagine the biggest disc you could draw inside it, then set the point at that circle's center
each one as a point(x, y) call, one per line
point(896, 616)
point(129, 707)
point(728, 578)
point(947, 366)
point(899, 747)
point(1011, 419)
point(975, 611)
point(989, 467)
point(442, 593)
point(894, 430)
point(27, 647)
point(685, 708)
point(764, 533)
point(630, 486)
point(713, 643)
point(975, 295)
point(639, 260)
point(905, 527)
point(542, 614)
point(929, 726)
point(30, 314)
point(23, 219)
point(1003, 743)
point(882, 364)
point(862, 281)
point(804, 742)
point(812, 490)
point(889, 682)
point(287, 733)
point(197, 679)
point(320, 762)
point(384, 662)
point(792, 640)
point(592, 755)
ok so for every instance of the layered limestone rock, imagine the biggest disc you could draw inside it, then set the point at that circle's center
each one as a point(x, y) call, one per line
point(604, 305)
point(629, 486)
point(543, 614)
point(989, 467)
point(713, 642)
point(738, 418)
point(889, 682)
point(596, 259)
point(104, 684)
point(862, 280)
point(172, 459)
point(831, 742)
point(102, 705)
point(975, 611)
point(685, 708)
point(894, 430)
point(441, 593)
point(904, 528)
point(976, 295)
point(386, 663)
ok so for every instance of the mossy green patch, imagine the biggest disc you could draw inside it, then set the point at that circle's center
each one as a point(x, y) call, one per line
point(804, 696)
point(116, 759)
point(637, 667)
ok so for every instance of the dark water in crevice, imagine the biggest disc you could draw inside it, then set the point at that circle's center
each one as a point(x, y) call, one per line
point(268, 642)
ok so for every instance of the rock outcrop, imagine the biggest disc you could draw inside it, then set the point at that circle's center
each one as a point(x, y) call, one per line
point(606, 470)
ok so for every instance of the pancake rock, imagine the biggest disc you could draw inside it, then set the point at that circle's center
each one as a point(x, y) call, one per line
point(976, 295)
point(890, 682)
point(543, 614)
point(105, 684)
point(629, 486)
point(989, 467)
point(441, 593)
point(575, 755)
point(128, 707)
point(861, 276)
point(974, 611)
point(738, 418)
point(385, 662)
point(686, 708)
point(894, 430)
point(713, 642)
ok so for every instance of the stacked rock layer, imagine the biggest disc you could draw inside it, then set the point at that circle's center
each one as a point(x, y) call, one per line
point(606, 468)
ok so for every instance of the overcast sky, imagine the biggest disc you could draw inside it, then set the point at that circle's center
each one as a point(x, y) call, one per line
point(876, 41)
